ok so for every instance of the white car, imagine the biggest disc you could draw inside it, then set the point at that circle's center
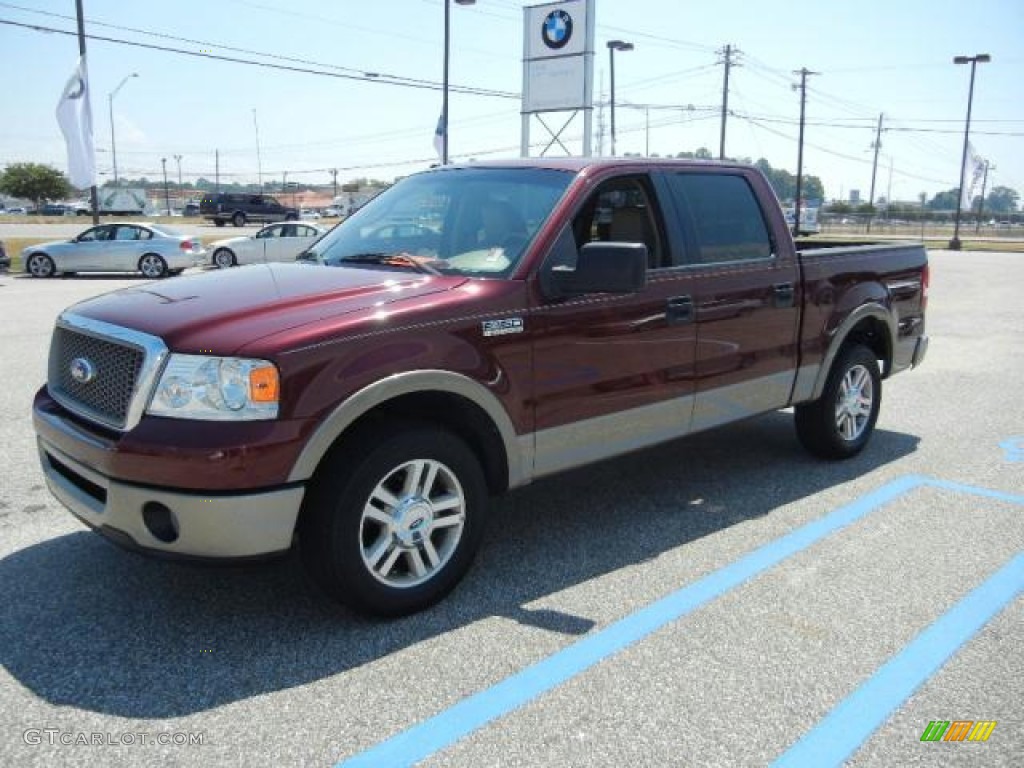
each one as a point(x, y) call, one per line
point(275, 242)
point(152, 249)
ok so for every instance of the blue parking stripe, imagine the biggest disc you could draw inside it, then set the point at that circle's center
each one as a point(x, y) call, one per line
point(447, 727)
point(845, 728)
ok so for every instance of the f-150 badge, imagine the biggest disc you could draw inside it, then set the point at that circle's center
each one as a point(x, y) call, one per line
point(503, 326)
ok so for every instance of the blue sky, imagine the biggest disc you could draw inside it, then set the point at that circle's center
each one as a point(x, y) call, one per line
point(874, 57)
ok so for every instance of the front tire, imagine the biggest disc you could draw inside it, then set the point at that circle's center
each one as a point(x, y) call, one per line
point(840, 423)
point(152, 266)
point(391, 529)
point(40, 265)
point(224, 258)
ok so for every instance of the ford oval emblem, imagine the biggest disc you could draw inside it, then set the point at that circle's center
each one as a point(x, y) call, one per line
point(82, 370)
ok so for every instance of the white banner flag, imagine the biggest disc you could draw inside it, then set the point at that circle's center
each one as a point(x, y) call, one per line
point(74, 115)
point(974, 169)
point(439, 136)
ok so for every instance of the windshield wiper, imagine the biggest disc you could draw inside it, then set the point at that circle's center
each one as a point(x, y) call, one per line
point(391, 259)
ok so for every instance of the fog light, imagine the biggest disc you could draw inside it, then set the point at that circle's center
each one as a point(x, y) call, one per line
point(160, 521)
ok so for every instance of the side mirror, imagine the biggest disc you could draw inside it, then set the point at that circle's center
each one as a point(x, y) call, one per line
point(601, 268)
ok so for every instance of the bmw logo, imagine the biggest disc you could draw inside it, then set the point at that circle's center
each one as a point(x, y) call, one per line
point(82, 370)
point(557, 29)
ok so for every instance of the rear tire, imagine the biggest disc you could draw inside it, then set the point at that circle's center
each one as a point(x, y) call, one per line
point(393, 518)
point(238, 219)
point(40, 265)
point(218, 222)
point(840, 423)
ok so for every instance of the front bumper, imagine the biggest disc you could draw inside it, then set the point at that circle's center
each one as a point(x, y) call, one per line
point(170, 522)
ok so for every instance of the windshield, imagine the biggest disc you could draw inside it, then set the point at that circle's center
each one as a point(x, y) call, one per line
point(468, 221)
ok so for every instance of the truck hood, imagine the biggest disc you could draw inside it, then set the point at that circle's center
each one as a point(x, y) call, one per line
point(220, 312)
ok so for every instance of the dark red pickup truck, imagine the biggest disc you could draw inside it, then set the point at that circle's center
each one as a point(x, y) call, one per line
point(469, 330)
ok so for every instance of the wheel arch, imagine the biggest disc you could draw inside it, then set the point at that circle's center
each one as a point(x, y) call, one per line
point(47, 254)
point(873, 326)
point(448, 399)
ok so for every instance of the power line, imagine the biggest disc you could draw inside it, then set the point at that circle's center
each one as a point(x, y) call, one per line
point(366, 77)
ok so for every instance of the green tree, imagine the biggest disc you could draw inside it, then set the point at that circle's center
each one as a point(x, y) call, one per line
point(1002, 200)
point(944, 201)
point(35, 182)
point(784, 183)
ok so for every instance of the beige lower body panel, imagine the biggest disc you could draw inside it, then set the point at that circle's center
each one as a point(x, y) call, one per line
point(236, 526)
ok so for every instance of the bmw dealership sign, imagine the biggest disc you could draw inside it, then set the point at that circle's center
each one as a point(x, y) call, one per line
point(558, 56)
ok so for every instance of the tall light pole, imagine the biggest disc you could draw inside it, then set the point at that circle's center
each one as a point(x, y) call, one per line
point(110, 102)
point(613, 46)
point(954, 244)
point(444, 84)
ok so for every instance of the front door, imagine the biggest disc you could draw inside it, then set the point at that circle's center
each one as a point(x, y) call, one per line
point(614, 372)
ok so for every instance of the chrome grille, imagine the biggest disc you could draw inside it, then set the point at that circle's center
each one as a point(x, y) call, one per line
point(108, 396)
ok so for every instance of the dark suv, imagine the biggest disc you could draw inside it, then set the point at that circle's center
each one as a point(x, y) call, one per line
point(240, 208)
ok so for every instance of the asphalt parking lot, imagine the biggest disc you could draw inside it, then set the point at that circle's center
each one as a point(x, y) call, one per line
point(722, 600)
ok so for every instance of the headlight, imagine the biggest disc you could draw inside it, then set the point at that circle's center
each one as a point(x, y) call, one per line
point(217, 388)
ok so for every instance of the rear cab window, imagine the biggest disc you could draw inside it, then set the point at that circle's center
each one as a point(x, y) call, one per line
point(721, 217)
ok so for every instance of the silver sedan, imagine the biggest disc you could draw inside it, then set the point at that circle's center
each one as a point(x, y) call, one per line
point(275, 242)
point(152, 249)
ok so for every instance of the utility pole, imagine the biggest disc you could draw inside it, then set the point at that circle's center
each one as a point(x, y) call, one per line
point(216, 168)
point(803, 72)
point(647, 123)
point(888, 194)
point(259, 162)
point(874, 170)
point(727, 60)
point(181, 202)
point(334, 174)
point(167, 191)
point(93, 197)
point(981, 202)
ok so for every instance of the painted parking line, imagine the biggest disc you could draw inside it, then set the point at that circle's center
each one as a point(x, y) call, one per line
point(458, 721)
point(836, 737)
point(1013, 449)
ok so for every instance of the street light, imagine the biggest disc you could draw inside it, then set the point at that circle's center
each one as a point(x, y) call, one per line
point(613, 46)
point(444, 85)
point(110, 101)
point(954, 244)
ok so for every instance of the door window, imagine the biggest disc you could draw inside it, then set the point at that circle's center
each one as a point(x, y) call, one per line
point(96, 234)
point(723, 215)
point(622, 211)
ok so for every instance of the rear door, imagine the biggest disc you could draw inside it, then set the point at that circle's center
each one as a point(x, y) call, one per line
point(127, 247)
point(746, 293)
